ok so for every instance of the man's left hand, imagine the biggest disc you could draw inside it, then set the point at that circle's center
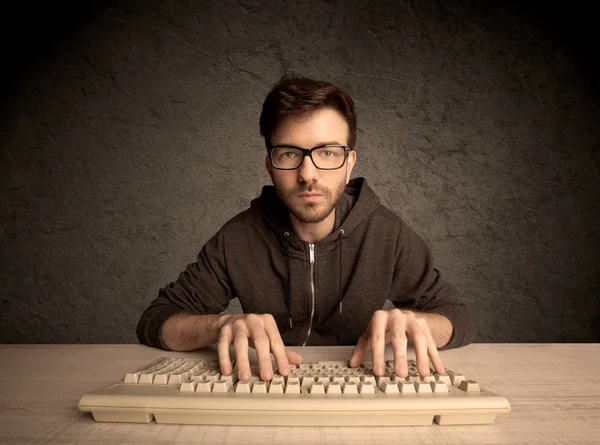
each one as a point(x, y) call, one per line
point(395, 325)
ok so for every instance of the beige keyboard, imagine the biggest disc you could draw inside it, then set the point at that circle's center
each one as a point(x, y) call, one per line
point(192, 391)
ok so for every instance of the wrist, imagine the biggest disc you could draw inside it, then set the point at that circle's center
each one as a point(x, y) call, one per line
point(224, 319)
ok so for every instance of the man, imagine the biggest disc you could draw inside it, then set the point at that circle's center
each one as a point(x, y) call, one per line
point(313, 260)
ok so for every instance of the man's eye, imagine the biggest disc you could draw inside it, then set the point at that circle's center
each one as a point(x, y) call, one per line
point(288, 154)
point(326, 153)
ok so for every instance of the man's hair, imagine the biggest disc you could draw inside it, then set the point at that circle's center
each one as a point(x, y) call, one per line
point(299, 97)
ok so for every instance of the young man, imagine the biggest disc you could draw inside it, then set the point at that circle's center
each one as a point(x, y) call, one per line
point(313, 260)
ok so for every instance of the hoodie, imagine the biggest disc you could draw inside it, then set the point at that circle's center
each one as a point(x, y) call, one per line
point(319, 294)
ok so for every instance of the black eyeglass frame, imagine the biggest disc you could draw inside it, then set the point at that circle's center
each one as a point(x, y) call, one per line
point(308, 152)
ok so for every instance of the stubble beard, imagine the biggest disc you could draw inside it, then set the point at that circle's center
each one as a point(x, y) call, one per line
point(310, 212)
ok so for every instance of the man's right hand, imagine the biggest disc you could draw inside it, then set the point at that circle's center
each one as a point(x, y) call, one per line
point(260, 332)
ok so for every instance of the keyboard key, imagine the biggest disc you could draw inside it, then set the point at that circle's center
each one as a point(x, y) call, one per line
point(350, 388)
point(132, 377)
point(259, 387)
point(177, 378)
point(189, 386)
point(293, 380)
point(307, 382)
point(324, 380)
point(368, 379)
point(220, 386)
point(334, 388)
point(456, 379)
point(438, 387)
point(230, 379)
point(161, 378)
point(382, 380)
point(443, 378)
point(406, 388)
point(389, 387)
point(428, 378)
point(353, 379)
point(204, 386)
point(366, 388)
point(243, 388)
point(317, 388)
point(199, 375)
point(276, 387)
point(422, 387)
point(292, 388)
point(469, 386)
point(213, 375)
point(413, 377)
point(277, 378)
point(340, 380)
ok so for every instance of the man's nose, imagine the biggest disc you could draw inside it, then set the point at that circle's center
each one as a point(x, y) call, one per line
point(307, 172)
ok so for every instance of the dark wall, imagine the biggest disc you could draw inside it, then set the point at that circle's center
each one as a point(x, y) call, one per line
point(129, 135)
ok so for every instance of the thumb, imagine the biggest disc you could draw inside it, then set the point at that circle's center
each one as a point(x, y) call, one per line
point(293, 357)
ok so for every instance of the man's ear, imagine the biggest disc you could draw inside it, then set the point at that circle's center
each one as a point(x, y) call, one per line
point(350, 165)
point(269, 166)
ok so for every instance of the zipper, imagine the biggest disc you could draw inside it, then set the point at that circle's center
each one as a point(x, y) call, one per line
point(311, 249)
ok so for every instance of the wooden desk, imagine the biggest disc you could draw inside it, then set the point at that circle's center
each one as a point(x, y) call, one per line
point(553, 389)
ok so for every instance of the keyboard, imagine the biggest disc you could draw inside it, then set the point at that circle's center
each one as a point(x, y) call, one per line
point(181, 390)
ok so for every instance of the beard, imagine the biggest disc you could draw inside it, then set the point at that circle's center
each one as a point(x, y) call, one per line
point(310, 212)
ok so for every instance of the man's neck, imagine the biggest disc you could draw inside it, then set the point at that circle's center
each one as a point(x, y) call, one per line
point(311, 233)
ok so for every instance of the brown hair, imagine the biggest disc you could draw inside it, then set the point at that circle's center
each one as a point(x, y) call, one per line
point(299, 97)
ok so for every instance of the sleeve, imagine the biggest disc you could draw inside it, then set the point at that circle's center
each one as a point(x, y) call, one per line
point(202, 288)
point(417, 285)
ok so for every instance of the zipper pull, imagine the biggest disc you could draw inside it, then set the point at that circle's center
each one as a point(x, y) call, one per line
point(312, 253)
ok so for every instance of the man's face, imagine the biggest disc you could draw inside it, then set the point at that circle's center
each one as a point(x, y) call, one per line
point(309, 193)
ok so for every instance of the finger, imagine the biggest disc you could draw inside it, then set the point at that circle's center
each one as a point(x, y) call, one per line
point(361, 348)
point(225, 339)
point(293, 357)
point(240, 343)
point(434, 355)
point(379, 326)
point(419, 338)
point(277, 347)
point(399, 345)
point(263, 350)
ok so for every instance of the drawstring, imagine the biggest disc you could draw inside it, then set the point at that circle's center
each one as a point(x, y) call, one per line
point(286, 235)
point(340, 274)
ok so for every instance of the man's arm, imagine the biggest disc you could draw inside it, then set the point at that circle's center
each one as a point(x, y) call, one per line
point(417, 286)
point(439, 326)
point(202, 289)
point(186, 332)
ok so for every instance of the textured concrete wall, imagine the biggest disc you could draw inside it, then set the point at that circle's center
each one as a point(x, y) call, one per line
point(119, 126)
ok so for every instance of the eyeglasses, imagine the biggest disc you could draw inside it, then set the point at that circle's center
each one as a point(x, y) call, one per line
point(324, 157)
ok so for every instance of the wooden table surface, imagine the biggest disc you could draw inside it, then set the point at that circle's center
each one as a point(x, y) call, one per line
point(553, 390)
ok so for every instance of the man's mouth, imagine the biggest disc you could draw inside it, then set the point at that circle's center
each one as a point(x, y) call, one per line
point(309, 196)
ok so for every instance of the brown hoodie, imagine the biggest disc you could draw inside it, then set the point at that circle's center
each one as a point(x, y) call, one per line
point(326, 297)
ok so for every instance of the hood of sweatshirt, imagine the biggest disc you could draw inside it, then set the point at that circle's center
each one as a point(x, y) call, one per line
point(355, 205)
